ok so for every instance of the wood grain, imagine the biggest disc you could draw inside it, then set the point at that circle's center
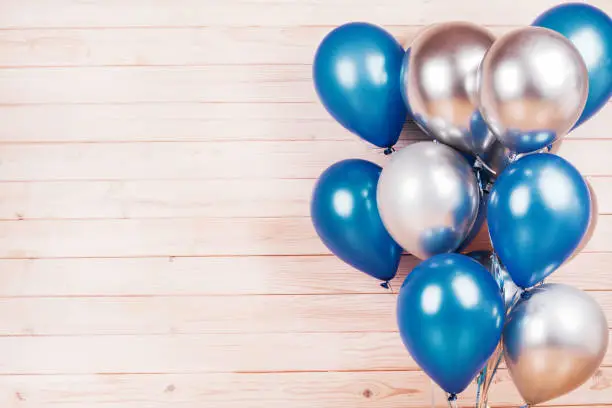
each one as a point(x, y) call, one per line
point(301, 390)
point(101, 13)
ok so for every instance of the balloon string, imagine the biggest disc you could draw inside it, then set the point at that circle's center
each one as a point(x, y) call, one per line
point(497, 273)
point(387, 285)
point(452, 400)
point(480, 382)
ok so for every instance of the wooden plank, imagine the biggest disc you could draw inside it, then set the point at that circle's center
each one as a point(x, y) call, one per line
point(187, 237)
point(266, 390)
point(203, 353)
point(157, 199)
point(188, 160)
point(178, 46)
point(201, 315)
point(279, 275)
point(199, 122)
point(194, 276)
point(102, 14)
point(209, 314)
point(207, 353)
point(178, 198)
point(219, 160)
point(254, 83)
point(164, 237)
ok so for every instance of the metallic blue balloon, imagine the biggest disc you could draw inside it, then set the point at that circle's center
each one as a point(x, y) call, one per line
point(590, 30)
point(345, 215)
point(357, 77)
point(450, 315)
point(539, 210)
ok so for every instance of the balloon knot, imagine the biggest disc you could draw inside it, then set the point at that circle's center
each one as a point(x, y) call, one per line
point(525, 295)
point(452, 397)
point(385, 285)
point(389, 150)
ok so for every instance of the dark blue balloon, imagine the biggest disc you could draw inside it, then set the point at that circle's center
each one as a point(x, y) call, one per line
point(450, 315)
point(357, 76)
point(345, 215)
point(539, 210)
point(590, 30)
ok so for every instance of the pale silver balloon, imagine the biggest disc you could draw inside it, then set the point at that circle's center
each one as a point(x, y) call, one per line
point(441, 84)
point(533, 85)
point(555, 338)
point(428, 198)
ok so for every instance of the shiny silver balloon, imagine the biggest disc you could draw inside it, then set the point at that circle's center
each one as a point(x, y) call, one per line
point(533, 85)
point(555, 338)
point(428, 198)
point(441, 84)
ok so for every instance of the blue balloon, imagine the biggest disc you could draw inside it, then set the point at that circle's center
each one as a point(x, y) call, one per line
point(357, 77)
point(450, 315)
point(590, 30)
point(345, 215)
point(539, 210)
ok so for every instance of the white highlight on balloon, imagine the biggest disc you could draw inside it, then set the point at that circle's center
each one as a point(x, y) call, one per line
point(343, 203)
point(346, 71)
point(431, 299)
point(553, 67)
point(519, 201)
point(509, 80)
point(466, 291)
point(437, 76)
point(555, 190)
point(448, 187)
point(589, 45)
point(375, 64)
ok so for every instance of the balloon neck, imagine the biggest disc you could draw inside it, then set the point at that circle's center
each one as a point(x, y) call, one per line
point(389, 150)
point(452, 397)
point(385, 285)
point(525, 295)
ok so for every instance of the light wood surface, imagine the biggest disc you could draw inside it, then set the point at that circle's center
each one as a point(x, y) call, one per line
point(156, 250)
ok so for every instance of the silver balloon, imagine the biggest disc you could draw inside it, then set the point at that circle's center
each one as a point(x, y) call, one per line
point(555, 338)
point(533, 86)
point(428, 198)
point(441, 84)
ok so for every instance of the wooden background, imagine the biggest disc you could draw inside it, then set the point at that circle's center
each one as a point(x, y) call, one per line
point(156, 163)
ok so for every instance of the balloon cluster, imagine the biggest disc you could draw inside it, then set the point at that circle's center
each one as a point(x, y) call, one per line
point(493, 107)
